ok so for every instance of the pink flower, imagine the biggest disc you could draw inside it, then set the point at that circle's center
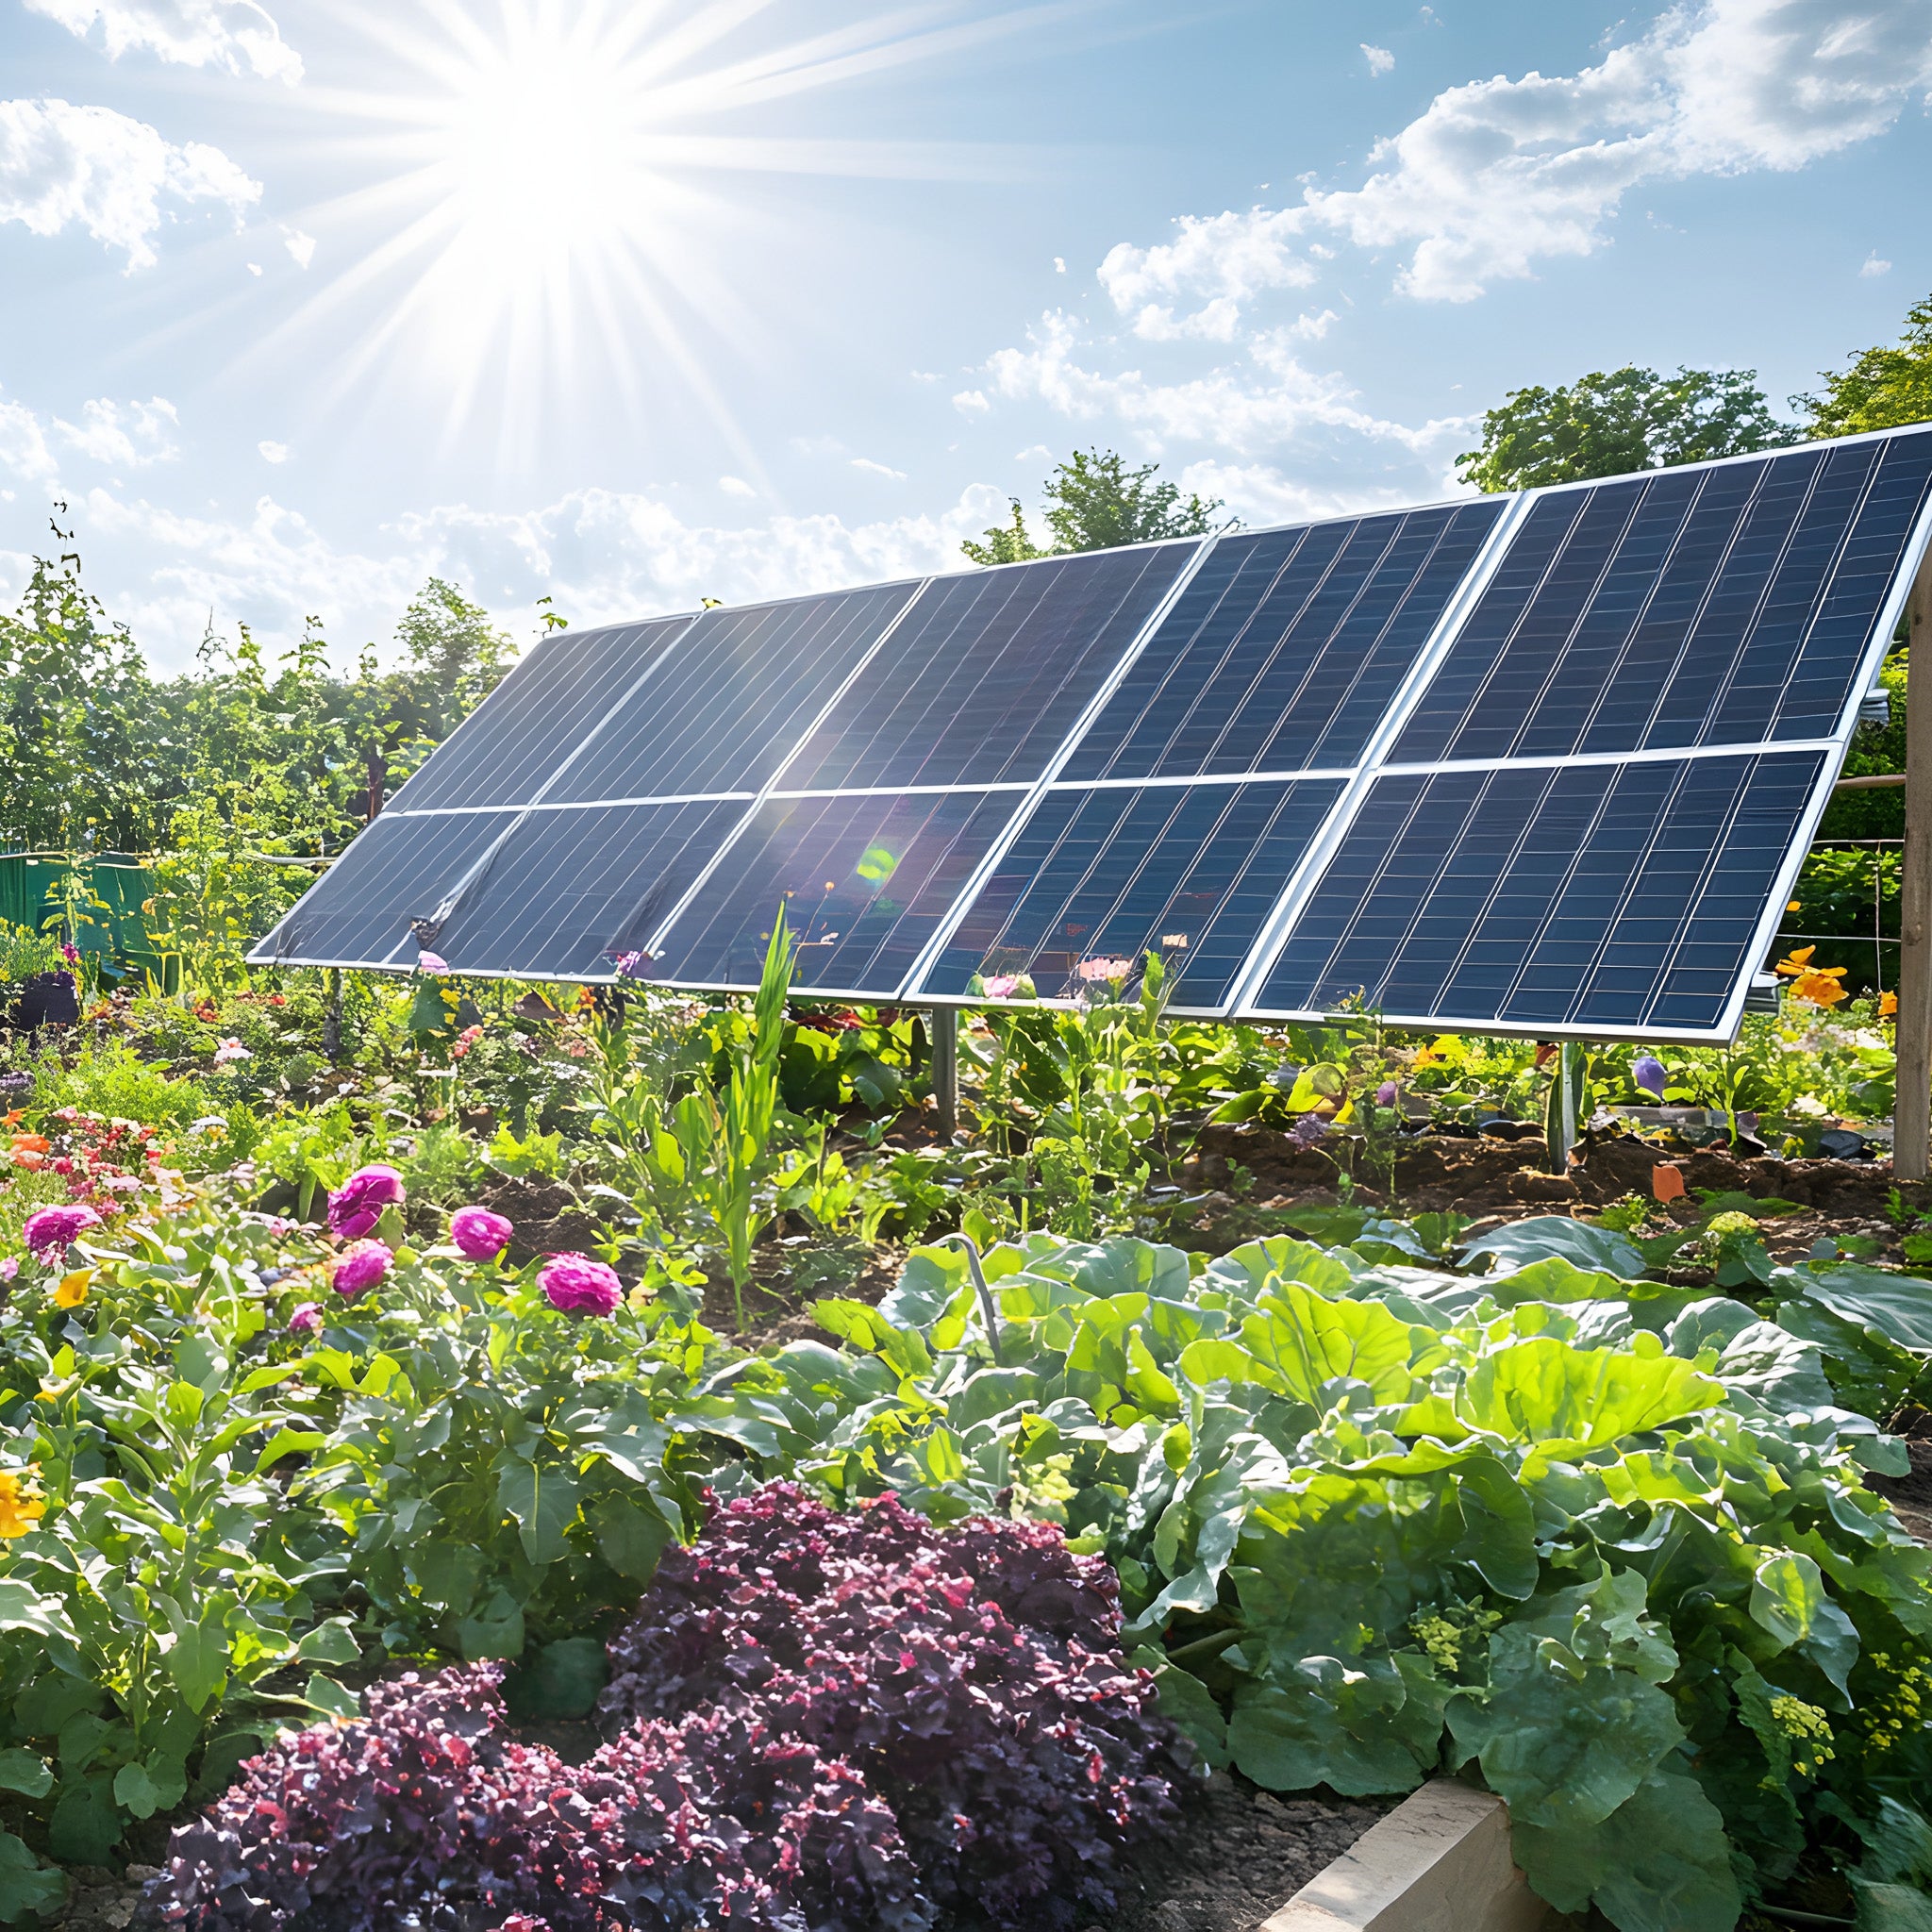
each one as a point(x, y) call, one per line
point(432, 963)
point(481, 1234)
point(578, 1049)
point(357, 1205)
point(1385, 1093)
point(999, 987)
point(465, 1041)
point(359, 1267)
point(9, 1267)
point(231, 1050)
point(307, 1319)
point(50, 1232)
point(578, 1286)
point(70, 952)
point(1102, 968)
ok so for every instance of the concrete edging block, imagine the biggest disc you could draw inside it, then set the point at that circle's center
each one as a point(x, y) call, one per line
point(1438, 1863)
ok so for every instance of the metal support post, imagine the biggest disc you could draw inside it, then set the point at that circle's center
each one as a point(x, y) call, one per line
point(946, 1069)
point(1911, 1148)
point(332, 1015)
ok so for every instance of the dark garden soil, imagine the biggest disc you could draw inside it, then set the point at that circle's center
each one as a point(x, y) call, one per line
point(1241, 1854)
point(1911, 1495)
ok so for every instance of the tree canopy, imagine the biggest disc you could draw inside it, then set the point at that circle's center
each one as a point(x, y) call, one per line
point(1882, 388)
point(1095, 502)
point(1609, 424)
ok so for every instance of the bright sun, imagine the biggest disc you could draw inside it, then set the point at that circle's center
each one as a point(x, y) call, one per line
point(547, 186)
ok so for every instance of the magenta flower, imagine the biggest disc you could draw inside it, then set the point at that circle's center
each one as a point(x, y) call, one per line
point(359, 1267)
point(1001, 986)
point(307, 1319)
point(230, 1051)
point(357, 1205)
point(70, 952)
point(51, 1231)
point(578, 1286)
point(1107, 970)
point(480, 1234)
point(9, 1267)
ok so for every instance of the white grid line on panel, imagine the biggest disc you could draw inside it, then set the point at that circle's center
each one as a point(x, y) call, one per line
point(655, 945)
point(976, 882)
point(457, 811)
point(1321, 848)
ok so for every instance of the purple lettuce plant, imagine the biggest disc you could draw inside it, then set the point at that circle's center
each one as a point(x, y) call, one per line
point(973, 1676)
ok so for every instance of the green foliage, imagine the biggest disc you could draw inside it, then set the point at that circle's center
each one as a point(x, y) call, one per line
point(1095, 502)
point(1363, 1537)
point(1608, 424)
point(1880, 388)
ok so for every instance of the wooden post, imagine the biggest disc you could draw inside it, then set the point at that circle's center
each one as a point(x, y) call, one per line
point(1911, 1124)
point(946, 1069)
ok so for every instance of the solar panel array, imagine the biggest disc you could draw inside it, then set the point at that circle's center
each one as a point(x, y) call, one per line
point(1546, 763)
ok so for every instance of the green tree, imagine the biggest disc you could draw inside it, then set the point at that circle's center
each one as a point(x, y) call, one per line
point(1883, 388)
point(457, 656)
point(1608, 424)
point(1095, 502)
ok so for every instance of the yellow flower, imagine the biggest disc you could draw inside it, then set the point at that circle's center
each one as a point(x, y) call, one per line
point(55, 1392)
point(20, 1505)
point(1819, 988)
point(73, 1289)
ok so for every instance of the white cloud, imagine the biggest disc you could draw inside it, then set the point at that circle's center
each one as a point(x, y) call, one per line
point(236, 34)
point(1059, 264)
point(301, 247)
point(62, 165)
point(273, 452)
point(129, 438)
point(25, 450)
point(1496, 176)
point(877, 469)
point(1875, 264)
point(1260, 495)
point(735, 486)
point(1243, 409)
point(604, 555)
point(1379, 59)
point(970, 402)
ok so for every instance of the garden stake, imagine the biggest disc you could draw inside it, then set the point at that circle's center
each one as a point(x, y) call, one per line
point(986, 1306)
point(945, 1070)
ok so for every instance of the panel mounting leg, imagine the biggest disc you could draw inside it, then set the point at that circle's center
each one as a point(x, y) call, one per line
point(1911, 1126)
point(945, 1070)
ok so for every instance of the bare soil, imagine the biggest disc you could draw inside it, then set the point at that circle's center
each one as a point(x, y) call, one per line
point(1241, 1855)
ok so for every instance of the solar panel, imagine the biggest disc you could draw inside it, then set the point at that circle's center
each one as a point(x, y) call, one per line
point(1190, 873)
point(1544, 764)
point(727, 704)
point(1726, 604)
point(401, 868)
point(987, 674)
point(579, 893)
point(1612, 897)
point(516, 741)
point(864, 879)
point(1282, 652)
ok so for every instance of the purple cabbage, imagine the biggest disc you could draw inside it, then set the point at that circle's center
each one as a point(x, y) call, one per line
point(973, 1676)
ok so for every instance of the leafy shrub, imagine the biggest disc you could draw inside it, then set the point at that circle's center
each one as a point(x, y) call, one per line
point(1610, 1544)
point(421, 1816)
point(974, 1677)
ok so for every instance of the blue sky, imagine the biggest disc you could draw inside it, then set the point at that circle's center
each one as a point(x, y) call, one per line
point(631, 304)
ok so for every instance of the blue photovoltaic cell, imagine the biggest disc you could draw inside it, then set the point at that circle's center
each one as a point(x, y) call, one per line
point(1619, 896)
point(575, 894)
point(733, 698)
point(1189, 873)
point(1282, 653)
point(1723, 605)
point(514, 744)
point(399, 869)
point(987, 674)
point(864, 881)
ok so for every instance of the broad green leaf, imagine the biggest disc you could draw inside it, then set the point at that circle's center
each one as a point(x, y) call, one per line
point(1600, 1250)
point(1345, 1725)
point(26, 1773)
point(543, 1503)
point(333, 1642)
point(135, 1792)
point(1250, 1270)
point(1660, 1862)
point(497, 1631)
point(1308, 1342)
point(1786, 1594)
point(197, 1659)
point(326, 1695)
point(1499, 1527)
point(87, 1824)
point(865, 1327)
point(631, 1535)
point(1884, 1907)
point(558, 1682)
point(22, 1607)
point(1899, 1307)
point(1546, 1392)
point(26, 1885)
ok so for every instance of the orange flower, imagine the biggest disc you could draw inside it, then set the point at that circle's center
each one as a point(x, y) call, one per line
point(1795, 963)
point(21, 1507)
point(1887, 1005)
point(1820, 989)
point(26, 1158)
point(32, 1144)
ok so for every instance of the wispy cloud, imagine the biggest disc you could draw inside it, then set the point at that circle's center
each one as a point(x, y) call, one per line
point(236, 34)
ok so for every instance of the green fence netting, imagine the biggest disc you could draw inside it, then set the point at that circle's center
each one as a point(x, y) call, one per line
point(104, 897)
